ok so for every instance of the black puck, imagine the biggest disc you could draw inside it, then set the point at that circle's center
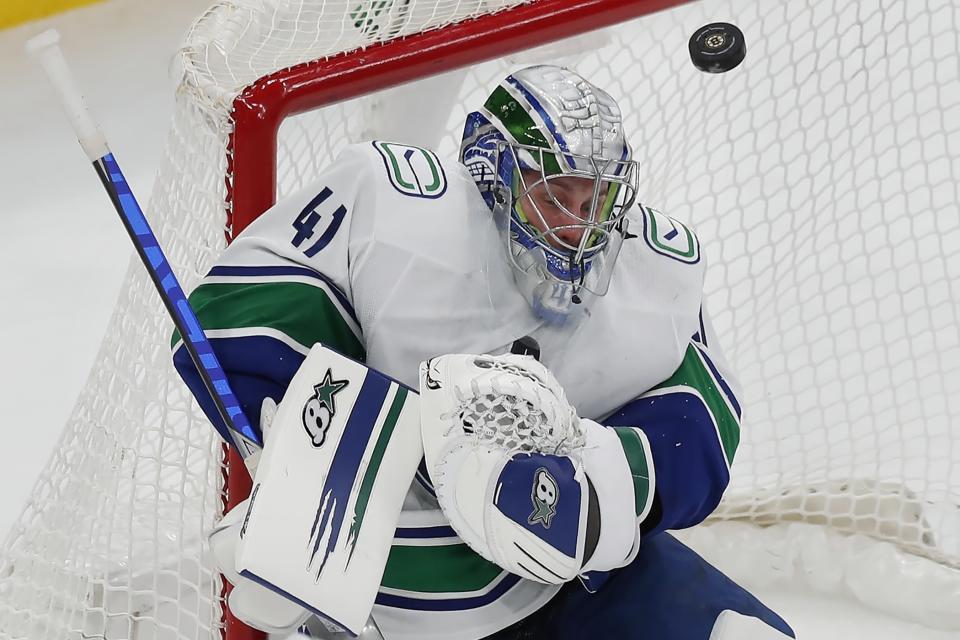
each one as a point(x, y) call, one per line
point(526, 346)
point(717, 47)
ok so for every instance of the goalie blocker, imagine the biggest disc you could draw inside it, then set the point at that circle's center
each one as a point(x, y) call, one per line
point(341, 452)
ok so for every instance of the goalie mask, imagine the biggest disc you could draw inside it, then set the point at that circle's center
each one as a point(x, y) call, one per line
point(548, 154)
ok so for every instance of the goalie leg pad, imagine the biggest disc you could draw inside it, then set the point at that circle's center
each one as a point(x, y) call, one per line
point(250, 602)
point(667, 591)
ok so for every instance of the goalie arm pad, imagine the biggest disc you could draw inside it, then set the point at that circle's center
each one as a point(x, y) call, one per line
point(262, 331)
point(283, 285)
point(683, 435)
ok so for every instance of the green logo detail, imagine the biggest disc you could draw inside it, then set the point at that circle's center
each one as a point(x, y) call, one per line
point(413, 171)
point(670, 237)
point(320, 408)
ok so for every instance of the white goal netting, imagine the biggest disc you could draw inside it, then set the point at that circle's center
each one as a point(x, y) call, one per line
point(822, 177)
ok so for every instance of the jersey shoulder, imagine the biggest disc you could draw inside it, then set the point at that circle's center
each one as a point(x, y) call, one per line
point(412, 178)
point(662, 260)
point(370, 189)
point(416, 200)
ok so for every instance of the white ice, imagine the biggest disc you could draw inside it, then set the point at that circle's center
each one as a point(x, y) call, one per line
point(63, 252)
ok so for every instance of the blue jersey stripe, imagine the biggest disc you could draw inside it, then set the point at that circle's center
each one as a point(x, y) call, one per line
point(701, 336)
point(690, 464)
point(437, 531)
point(423, 477)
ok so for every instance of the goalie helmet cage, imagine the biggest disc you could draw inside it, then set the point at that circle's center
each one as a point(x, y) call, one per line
point(821, 176)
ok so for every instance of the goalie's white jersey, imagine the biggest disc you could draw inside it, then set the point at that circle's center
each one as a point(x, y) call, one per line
point(424, 268)
point(392, 257)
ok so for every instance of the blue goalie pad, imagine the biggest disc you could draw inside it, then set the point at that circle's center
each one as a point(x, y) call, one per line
point(667, 593)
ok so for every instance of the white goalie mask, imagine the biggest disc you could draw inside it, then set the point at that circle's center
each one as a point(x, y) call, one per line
point(548, 154)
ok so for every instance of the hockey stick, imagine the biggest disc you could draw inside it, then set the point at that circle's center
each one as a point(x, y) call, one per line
point(357, 539)
point(46, 49)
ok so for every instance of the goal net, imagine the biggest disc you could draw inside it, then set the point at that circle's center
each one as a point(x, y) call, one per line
point(821, 176)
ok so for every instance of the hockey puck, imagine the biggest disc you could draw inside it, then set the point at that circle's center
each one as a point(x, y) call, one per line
point(717, 47)
point(526, 346)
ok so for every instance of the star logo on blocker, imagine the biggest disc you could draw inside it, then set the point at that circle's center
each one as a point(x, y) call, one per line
point(328, 388)
point(321, 408)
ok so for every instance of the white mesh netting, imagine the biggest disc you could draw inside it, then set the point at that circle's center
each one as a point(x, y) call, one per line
point(821, 176)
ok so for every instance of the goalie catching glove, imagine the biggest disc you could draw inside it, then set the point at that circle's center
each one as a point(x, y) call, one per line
point(524, 481)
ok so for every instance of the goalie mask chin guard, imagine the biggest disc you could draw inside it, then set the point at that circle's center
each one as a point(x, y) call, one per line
point(543, 125)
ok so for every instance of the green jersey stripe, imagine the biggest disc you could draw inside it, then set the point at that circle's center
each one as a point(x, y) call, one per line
point(269, 279)
point(695, 374)
point(450, 569)
point(640, 468)
point(303, 312)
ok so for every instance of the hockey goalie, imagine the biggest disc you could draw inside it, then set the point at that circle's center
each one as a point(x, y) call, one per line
point(574, 401)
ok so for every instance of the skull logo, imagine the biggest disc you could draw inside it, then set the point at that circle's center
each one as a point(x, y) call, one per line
point(544, 494)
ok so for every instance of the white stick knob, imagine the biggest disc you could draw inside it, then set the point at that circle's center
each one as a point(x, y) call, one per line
point(45, 48)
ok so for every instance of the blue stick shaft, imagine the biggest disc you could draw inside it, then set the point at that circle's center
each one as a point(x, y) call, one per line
point(238, 430)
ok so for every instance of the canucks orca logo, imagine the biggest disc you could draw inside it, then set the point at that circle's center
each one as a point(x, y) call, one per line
point(320, 408)
point(413, 171)
point(544, 494)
